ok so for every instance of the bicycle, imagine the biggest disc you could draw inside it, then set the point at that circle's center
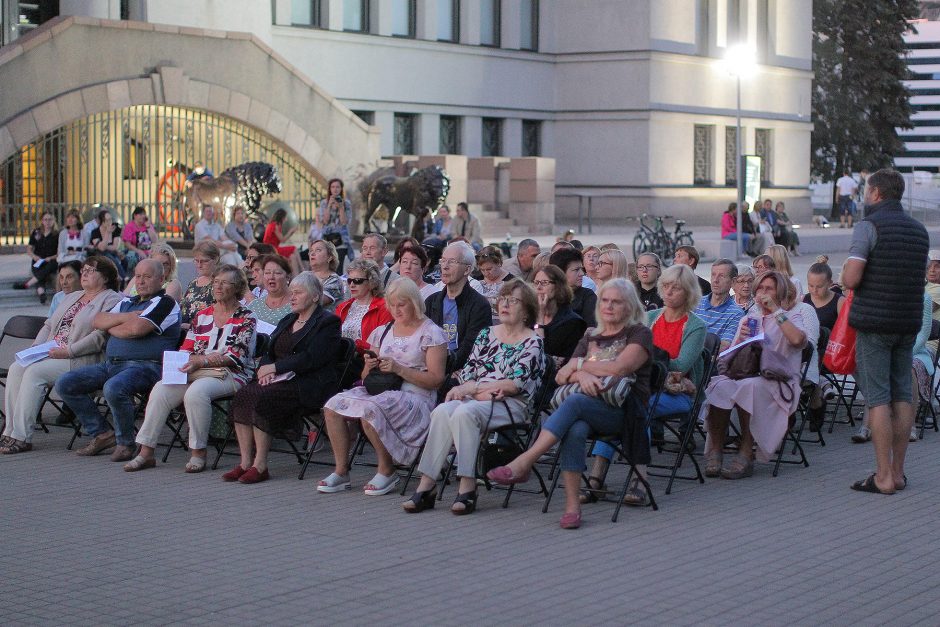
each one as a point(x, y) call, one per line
point(658, 240)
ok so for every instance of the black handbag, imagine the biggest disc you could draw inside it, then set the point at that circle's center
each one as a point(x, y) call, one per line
point(743, 363)
point(377, 381)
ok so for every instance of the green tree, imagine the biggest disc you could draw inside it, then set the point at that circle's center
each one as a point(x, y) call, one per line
point(859, 100)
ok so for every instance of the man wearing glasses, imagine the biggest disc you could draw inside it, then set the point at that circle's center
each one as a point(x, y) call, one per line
point(140, 328)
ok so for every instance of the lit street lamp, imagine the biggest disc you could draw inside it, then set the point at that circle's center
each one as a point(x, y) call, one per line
point(740, 62)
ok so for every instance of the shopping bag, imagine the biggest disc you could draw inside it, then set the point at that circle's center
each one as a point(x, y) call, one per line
point(840, 351)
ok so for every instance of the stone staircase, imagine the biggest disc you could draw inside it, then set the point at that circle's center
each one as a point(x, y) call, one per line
point(494, 223)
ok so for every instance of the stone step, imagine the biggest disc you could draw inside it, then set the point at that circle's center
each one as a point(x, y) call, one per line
point(10, 298)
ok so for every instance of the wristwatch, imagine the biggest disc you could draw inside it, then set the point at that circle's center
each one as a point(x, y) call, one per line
point(580, 363)
point(781, 318)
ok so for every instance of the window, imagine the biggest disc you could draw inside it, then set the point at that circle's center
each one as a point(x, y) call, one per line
point(356, 15)
point(305, 13)
point(529, 25)
point(763, 148)
point(133, 159)
point(489, 22)
point(702, 155)
point(404, 134)
point(366, 116)
point(492, 137)
point(531, 138)
point(448, 20)
point(450, 135)
point(403, 18)
point(731, 150)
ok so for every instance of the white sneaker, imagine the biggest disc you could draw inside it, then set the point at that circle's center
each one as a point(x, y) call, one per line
point(913, 436)
point(862, 435)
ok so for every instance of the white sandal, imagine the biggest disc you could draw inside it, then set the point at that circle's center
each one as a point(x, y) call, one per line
point(334, 483)
point(196, 464)
point(381, 484)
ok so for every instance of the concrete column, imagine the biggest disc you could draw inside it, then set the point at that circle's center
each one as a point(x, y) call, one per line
point(510, 18)
point(385, 120)
point(470, 28)
point(471, 133)
point(282, 12)
point(429, 133)
point(426, 20)
point(512, 137)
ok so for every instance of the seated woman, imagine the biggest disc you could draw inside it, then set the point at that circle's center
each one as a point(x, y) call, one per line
point(79, 344)
point(276, 303)
point(782, 264)
point(762, 264)
point(560, 327)
point(729, 227)
point(43, 251)
point(490, 265)
point(306, 344)
point(763, 411)
point(366, 310)
point(742, 287)
point(583, 300)
point(198, 294)
point(324, 260)
point(221, 347)
point(395, 421)
point(648, 268)
point(106, 240)
point(827, 303)
point(274, 235)
point(620, 346)
point(506, 363)
point(612, 264)
point(590, 256)
point(681, 334)
point(72, 240)
point(413, 264)
point(69, 280)
point(165, 254)
point(254, 272)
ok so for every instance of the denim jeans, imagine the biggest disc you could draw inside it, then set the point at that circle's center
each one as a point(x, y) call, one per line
point(119, 380)
point(745, 239)
point(575, 420)
point(668, 405)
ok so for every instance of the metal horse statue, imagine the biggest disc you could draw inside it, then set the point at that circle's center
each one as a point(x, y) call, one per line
point(244, 184)
point(419, 194)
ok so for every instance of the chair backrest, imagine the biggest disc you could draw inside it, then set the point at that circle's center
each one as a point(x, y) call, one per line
point(805, 358)
point(658, 374)
point(23, 327)
point(345, 363)
point(543, 394)
point(934, 331)
point(262, 341)
point(712, 344)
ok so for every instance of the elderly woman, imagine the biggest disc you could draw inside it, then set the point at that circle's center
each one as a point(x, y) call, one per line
point(621, 346)
point(507, 361)
point(763, 407)
point(583, 300)
point(42, 249)
point(762, 264)
point(198, 294)
point(221, 347)
point(295, 376)
point(324, 260)
point(165, 254)
point(541, 260)
point(412, 264)
point(276, 303)
point(106, 240)
point(648, 269)
point(394, 421)
point(72, 328)
point(366, 310)
point(681, 335)
point(742, 286)
point(490, 265)
point(69, 280)
point(559, 326)
point(591, 255)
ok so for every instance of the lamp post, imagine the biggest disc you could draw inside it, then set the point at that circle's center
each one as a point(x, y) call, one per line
point(740, 62)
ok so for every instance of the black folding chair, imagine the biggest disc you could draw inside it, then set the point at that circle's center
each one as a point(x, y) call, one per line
point(809, 390)
point(20, 328)
point(925, 405)
point(794, 431)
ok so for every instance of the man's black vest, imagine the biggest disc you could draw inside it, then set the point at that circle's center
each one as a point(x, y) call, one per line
point(890, 298)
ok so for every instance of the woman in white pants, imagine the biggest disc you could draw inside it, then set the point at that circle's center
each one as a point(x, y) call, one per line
point(221, 347)
point(507, 364)
point(79, 344)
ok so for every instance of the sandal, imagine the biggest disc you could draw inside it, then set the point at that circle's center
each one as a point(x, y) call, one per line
point(469, 502)
point(380, 485)
point(195, 464)
point(140, 463)
point(334, 483)
point(739, 468)
point(636, 495)
point(713, 463)
point(420, 501)
point(595, 491)
point(503, 475)
point(868, 485)
point(13, 446)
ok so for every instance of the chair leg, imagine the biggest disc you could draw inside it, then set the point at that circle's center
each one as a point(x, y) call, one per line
point(221, 449)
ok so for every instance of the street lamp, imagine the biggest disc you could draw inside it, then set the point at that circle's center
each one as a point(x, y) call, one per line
point(740, 62)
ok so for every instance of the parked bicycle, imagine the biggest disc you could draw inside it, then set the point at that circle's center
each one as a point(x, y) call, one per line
point(658, 240)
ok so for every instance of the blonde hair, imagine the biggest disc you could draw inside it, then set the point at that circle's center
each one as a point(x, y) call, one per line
point(608, 246)
point(332, 255)
point(636, 313)
point(540, 261)
point(162, 248)
point(405, 288)
point(207, 248)
point(620, 267)
point(781, 259)
point(683, 276)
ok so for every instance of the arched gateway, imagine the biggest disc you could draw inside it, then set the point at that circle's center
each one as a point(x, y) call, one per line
point(117, 112)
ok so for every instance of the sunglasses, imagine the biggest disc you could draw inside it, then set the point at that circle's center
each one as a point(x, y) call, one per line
point(352, 281)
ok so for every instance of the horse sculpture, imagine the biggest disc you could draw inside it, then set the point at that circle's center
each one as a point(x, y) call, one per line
point(244, 185)
point(419, 194)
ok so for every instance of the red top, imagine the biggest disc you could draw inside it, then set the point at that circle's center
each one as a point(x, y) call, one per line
point(377, 316)
point(668, 335)
point(729, 224)
point(270, 234)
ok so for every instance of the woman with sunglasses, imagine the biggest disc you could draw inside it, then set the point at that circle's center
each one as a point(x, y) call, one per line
point(366, 310)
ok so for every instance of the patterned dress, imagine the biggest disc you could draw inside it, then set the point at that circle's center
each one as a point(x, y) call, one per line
point(491, 360)
point(195, 299)
point(235, 339)
point(401, 417)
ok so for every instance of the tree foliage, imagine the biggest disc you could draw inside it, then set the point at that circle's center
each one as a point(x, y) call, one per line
point(859, 99)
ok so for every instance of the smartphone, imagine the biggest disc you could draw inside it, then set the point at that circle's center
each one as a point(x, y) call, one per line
point(370, 354)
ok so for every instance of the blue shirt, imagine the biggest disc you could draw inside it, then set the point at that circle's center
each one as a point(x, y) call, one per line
point(450, 323)
point(721, 320)
point(163, 313)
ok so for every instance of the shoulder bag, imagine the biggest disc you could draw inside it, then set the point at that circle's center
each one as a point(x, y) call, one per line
point(376, 381)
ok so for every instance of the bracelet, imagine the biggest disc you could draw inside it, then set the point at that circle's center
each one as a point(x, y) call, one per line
point(580, 363)
point(781, 318)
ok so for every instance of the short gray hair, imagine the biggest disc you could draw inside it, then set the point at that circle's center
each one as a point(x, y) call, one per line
point(743, 269)
point(379, 238)
point(467, 254)
point(727, 262)
point(527, 243)
point(309, 282)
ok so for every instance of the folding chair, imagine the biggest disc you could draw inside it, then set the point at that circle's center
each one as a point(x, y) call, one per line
point(809, 389)
point(21, 328)
point(794, 432)
point(925, 405)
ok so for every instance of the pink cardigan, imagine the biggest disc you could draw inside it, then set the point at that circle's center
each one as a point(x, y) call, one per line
point(728, 224)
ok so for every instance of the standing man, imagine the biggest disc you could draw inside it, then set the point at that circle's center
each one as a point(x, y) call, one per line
point(520, 266)
point(887, 266)
point(375, 247)
point(467, 226)
point(847, 188)
point(688, 256)
point(718, 310)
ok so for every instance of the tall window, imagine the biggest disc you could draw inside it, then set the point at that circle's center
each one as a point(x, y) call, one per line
point(763, 147)
point(448, 20)
point(133, 159)
point(492, 137)
point(305, 13)
point(531, 138)
point(450, 135)
point(356, 15)
point(489, 22)
point(731, 150)
point(404, 134)
point(403, 18)
point(702, 155)
point(529, 25)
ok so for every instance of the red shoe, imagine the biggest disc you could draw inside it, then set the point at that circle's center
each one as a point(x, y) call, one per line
point(503, 476)
point(234, 474)
point(253, 476)
point(570, 521)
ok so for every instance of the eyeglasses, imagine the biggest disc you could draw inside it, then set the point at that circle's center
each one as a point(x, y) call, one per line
point(744, 279)
point(353, 281)
point(509, 300)
point(604, 263)
point(543, 283)
point(761, 268)
point(451, 262)
point(646, 268)
point(89, 270)
point(223, 283)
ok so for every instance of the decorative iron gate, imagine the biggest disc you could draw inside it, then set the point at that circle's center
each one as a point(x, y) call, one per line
point(138, 156)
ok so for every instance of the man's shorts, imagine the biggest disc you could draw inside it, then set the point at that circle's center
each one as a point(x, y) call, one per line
point(846, 206)
point(883, 367)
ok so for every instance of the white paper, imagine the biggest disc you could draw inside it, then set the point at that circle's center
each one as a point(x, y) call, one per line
point(39, 263)
point(287, 376)
point(35, 353)
point(265, 328)
point(756, 338)
point(172, 362)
